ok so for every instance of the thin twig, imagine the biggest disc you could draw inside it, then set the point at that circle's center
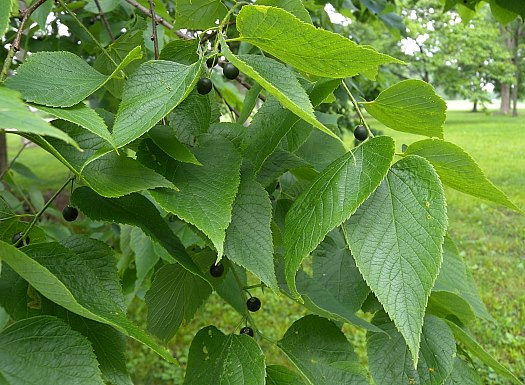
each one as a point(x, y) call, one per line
point(158, 19)
point(43, 209)
point(13, 161)
point(104, 20)
point(15, 47)
point(154, 36)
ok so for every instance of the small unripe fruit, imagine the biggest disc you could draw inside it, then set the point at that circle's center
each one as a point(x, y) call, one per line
point(217, 270)
point(360, 133)
point(230, 71)
point(247, 330)
point(212, 61)
point(253, 304)
point(204, 86)
point(70, 213)
point(17, 238)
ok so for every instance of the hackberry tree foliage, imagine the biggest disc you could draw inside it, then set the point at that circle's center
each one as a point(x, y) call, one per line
point(198, 137)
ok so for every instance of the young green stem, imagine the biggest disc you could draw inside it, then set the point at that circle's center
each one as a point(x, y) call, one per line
point(13, 161)
point(81, 25)
point(43, 209)
point(247, 313)
point(357, 109)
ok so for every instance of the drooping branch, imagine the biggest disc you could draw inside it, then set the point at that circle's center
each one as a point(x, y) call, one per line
point(15, 47)
point(158, 19)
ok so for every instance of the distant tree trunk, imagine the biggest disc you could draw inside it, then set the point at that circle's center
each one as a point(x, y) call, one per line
point(516, 61)
point(3, 152)
point(475, 106)
point(504, 106)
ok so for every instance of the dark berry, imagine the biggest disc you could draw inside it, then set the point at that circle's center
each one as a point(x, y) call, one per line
point(230, 71)
point(253, 304)
point(17, 238)
point(70, 213)
point(247, 330)
point(361, 133)
point(212, 61)
point(204, 86)
point(216, 270)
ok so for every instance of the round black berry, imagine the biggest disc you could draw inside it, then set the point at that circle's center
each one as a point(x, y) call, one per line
point(230, 71)
point(216, 270)
point(204, 86)
point(361, 133)
point(253, 304)
point(247, 330)
point(212, 61)
point(17, 237)
point(70, 213)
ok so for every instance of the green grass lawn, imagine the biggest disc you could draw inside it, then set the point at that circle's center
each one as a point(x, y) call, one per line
point(491, 238)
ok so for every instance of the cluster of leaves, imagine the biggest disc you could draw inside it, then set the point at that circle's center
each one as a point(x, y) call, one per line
point(261, 192)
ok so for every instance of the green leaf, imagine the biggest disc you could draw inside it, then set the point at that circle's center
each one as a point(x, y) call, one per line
point(40, 14)
point(334, 268)
point(215, 358)
point(272, 122)
point(99, 256)
point(513, 6)
point(45, 350)
point(458, 170)
point(106, 6)
point(281, 375)
point(61, 79)
point(150, 93)
point(108, 344)
point(249, 102)
point(463, 374)
point(307, 48)
point(476, 349)
point(165, 138)
point(455, 280)
point(110, 175)
point(331, 198)
point(320, 150)
point(193, 117)
point(295, 7)
point(16, 117)
point(234, 132)
point(322, 353)
point(410, 106)
point(136, 210)
point(319, 300)
point(5, 14)
point(277, 164)
point(206, 193)
point(248, 237)
point(83, 116)
point(181, 51)
point(66, 279)
point(396, 238)
point(502, 15)
point(199, 14)
point(145, 255)
point(389, 356)
point(280, 82)
point(175, 295)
